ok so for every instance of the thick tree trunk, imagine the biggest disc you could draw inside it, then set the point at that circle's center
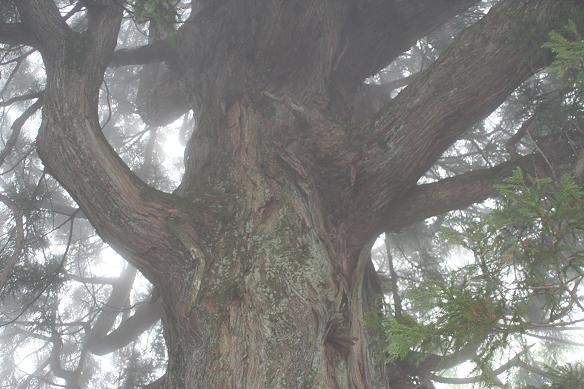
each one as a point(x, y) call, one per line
point(274, 307)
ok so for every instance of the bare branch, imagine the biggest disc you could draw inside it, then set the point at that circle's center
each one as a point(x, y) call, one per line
point(151, 53)
point(146, 315)
point(26, 96)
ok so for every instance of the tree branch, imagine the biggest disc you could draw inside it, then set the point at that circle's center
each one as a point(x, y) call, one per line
point(127, 213)
point(146, 315)
point(115, 304)
point(44, 22)
point(151, 53)
point(382, 30)
point(431, 113)
point(16, 34)
point(71, 377)
point(457, 192)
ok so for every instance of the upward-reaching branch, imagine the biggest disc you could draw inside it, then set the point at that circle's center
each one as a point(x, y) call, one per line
point(480, 69)
point(127, 213)
point(45, 24)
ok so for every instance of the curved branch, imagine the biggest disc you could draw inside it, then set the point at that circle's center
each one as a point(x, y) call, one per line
point(145, 316)
point(115, 304)
point(127, 213)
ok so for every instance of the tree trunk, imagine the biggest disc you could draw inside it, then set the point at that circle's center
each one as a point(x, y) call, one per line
point(277, 304)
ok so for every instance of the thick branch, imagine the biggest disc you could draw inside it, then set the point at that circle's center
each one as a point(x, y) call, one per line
point(151, 53)
point(449, 194)
point(146, 315)
point(45, 24)
point(463, 190)
point(474, 76)
point(127, 214)
point(16, 34)
point(114, 305)
point(383, 30)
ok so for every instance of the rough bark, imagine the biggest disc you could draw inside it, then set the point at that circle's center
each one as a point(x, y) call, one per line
point(262, 254)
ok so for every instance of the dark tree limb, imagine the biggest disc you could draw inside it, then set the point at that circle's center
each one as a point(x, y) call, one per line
point(382, 30)
point(100, 340)
point(16, 34)
point(474, 76)
point(26, 96)
point(151, 53)
point(115, 304)
point(71, 377)
point(44, 22)
point(128, 214)
point(457, 192)
point(145, 316)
